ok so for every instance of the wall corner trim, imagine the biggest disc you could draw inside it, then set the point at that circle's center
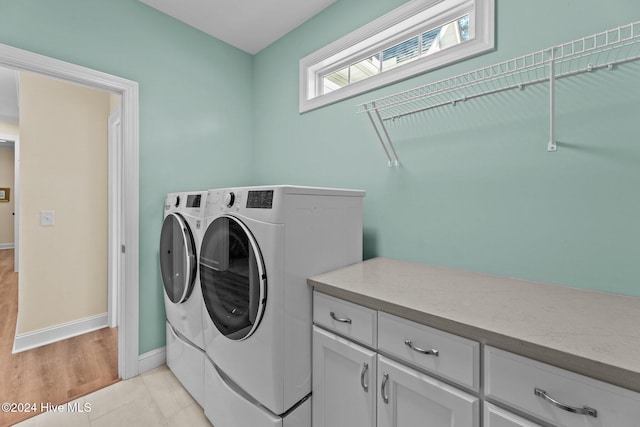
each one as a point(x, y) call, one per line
point(60, 332)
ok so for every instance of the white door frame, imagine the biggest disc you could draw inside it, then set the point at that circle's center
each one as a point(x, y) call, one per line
point(16, 163)
point(116, 251)
point(16, 202)
point(16, 142)
point(127, 194)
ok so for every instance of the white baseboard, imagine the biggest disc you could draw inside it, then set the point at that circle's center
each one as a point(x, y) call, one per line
point(152, 359)
point(7, 246)
point(60, 332)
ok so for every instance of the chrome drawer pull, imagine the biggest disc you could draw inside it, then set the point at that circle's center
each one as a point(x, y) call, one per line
point(585, 410)
point(365, 368)
point(432, 352)
point(339, 319)
point(383, 391)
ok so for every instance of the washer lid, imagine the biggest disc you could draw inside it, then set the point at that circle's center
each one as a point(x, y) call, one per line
point(233, 278)
point(178, 263)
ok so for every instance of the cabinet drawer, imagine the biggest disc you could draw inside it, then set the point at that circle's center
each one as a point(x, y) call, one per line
point(498, 417)
point(530, 386)
point(347, 319)
point(450, 356)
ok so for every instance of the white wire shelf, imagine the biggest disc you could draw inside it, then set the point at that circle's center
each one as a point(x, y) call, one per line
point(604, 50)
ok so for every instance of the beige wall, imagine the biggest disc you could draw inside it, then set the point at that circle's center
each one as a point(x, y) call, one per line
point(7, 178)
point(63, 168)
point(7, 128)
point(114, 102)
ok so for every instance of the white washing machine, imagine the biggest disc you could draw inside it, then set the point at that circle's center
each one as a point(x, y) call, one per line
point(180, 238)
point(259, 247)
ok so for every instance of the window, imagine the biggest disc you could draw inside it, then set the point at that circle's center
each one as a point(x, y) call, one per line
point(417, 37)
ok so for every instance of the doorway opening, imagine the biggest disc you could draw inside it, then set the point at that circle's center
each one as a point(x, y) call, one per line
point(123, 230)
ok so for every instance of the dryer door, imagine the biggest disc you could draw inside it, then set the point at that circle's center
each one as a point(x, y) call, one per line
point(233, 278)
point(178, 263)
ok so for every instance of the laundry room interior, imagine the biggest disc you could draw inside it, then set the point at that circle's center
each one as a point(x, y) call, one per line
point(464, 225)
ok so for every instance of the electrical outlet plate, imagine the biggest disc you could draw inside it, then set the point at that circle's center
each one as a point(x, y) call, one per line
point(47, 218)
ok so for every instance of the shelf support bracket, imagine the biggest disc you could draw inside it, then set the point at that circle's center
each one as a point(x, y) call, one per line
point(552, 146)
point(386, 152)
point(391, 162)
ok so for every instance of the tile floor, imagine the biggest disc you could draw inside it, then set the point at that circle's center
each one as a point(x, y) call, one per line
point(155, 398)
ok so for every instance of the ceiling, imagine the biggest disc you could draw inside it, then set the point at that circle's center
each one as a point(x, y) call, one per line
point(249, 25)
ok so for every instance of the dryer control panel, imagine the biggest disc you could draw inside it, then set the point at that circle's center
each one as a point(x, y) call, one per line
point(258, 203)
point(262, 199)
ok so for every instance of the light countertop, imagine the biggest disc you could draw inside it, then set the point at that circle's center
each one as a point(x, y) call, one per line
point(592, 333)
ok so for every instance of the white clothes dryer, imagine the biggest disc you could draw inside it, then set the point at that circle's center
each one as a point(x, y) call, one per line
point(259, 247)
point(180, 238)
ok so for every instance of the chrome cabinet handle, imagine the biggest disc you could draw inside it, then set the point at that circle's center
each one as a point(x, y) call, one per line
point(383, 389)
point(432, 352)
point(339, 319)
point(585, 410)
point(365, 368)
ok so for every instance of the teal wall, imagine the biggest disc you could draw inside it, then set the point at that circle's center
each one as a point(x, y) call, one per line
point(195, 104)
point(476, 189)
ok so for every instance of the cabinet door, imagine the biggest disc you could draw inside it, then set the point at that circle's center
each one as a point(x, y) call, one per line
point(498, 417)
point(408, 398)
point(344, 382)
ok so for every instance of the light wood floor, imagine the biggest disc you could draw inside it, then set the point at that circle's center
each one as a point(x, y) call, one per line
point(55, 373)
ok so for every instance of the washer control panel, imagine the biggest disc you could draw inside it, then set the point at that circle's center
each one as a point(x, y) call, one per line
point(194, 200)
point(229, 199)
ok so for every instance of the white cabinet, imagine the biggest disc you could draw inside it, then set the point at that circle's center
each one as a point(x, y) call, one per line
point(350, 320)
point(355, 386)
point(498, 417)
point(557, 396)
point(344, 382)
point(408, 398)
point(445, 355)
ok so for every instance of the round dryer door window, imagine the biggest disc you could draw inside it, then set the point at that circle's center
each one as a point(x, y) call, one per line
point(233, 278)
point(178, 263)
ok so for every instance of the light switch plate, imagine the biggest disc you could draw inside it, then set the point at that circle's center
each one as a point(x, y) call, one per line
point(47, 218)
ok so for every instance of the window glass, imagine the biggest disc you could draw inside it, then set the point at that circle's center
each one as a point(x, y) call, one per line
point(401, 53)
point(450, 34)
point(335, 80)
point(365, 68)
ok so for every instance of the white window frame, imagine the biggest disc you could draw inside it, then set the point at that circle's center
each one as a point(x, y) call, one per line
point(389, 30)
